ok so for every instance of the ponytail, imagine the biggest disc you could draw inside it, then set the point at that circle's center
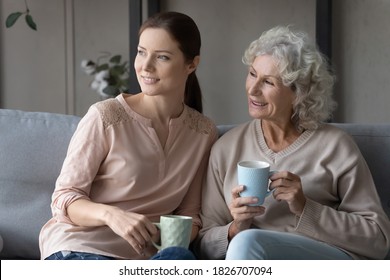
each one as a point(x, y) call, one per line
point(193, 93)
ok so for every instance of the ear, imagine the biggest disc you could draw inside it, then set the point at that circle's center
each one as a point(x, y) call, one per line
point(193, 65)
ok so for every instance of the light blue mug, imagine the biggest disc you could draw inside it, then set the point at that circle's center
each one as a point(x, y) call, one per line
point(254, 175)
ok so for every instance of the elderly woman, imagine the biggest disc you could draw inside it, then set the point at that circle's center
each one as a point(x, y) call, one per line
point(324, 204)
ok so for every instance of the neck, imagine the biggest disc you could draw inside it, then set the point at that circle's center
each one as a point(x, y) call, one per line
point(158, 109)
point(279, 136)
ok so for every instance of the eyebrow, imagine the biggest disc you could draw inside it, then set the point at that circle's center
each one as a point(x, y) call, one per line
point(266, 75)
point(157, 51)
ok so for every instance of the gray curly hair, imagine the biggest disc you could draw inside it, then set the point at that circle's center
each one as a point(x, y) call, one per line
point(302, 68)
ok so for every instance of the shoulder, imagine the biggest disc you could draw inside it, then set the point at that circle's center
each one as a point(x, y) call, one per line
point(111, 112)
point(332, 132)
point(234, 136)
point(199, 122)
point(333, 136)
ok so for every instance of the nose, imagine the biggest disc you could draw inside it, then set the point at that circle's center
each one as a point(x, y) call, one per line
point(148, 64)
point(254, 88)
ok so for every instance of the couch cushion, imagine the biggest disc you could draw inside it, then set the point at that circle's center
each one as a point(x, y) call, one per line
point(33, 147)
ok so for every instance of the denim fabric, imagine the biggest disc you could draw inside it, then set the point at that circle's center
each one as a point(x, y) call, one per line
point(257, 244)
point(68, 255)
point(174, 253)
point(171, 253)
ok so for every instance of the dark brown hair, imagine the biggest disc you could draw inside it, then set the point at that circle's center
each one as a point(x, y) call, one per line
point(184, 30)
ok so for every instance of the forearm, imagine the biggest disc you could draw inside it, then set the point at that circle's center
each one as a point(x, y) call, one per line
point(87, 213)
point(363, 234)
point(213, 242)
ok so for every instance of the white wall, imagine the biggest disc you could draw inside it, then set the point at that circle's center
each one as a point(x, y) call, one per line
point(40, 71)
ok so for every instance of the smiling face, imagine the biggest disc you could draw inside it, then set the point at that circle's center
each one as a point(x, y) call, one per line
point(160, 65)
point(268, 98)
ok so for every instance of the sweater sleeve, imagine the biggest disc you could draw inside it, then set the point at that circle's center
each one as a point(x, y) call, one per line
point(358, 224)
point(212, 242)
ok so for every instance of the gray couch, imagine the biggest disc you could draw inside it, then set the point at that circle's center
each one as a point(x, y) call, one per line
point(33, 146)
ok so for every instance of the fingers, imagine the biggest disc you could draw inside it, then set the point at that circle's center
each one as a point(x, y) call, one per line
point(137, 231)
point(137, 242)
point(238, 201)
point(236, 191)
point(239, 205)
point(287, 187)
point(285, 175)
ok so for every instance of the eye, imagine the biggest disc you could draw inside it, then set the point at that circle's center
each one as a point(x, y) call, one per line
point(141, 52)
point(163, 57)
point(269, 82)
point(252, 74)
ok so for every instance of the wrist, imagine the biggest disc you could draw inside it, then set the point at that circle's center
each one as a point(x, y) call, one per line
point(108, 214)
point(232, 231)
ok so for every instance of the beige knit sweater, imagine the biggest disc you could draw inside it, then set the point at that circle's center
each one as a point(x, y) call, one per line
point(342, 208)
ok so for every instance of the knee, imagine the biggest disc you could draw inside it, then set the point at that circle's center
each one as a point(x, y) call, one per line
point(241, 247)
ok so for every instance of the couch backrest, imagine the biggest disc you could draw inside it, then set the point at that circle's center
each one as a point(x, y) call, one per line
point(33, 146)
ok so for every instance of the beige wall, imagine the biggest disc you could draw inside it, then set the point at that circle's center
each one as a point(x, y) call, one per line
point(40, 71)
point(362, 60)
point(227, 27)
point(33, 63)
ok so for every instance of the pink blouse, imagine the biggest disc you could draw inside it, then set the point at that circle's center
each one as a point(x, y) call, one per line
point(116, 158)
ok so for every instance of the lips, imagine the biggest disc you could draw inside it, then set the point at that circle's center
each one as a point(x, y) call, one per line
point(258, 104)
point(149, 80)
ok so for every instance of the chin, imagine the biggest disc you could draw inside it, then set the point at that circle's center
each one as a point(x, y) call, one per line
point(148, 91)
point(254, 115)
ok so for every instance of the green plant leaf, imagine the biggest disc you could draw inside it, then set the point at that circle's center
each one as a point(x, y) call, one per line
point(102, 67)
point(30, 22)
point(116, 59)
point(111, 90)
point(117, 70)
point(12, 18)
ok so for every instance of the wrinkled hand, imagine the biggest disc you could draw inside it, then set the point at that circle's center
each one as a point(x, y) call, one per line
point(135, 228)
point(241, 212)
point(288, 187)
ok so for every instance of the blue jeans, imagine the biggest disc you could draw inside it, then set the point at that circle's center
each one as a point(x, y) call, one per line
point(171, 253)
point(71, 255)
point(174, 253)
point(258, 244)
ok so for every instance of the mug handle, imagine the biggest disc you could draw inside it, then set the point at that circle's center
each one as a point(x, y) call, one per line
point(155, 244)
point(272, 172)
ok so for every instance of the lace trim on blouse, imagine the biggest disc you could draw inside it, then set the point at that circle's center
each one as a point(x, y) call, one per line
point(111, 112)
point(198, 122)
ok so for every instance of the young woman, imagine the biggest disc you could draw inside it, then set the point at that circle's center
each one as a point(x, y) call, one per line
point(136, 157)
